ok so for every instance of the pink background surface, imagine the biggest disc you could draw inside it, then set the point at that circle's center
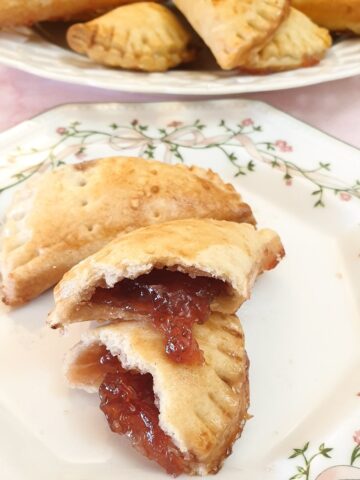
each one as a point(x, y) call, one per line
point(333, 107)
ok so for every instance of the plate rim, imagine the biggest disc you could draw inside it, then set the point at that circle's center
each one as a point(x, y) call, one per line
point(128, 87)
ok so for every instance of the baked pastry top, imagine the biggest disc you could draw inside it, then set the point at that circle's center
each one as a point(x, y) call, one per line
point(298, 42)
point(67, 214)
point(201, 409)
point(28, 12)
point(233, 253)
point(234, 28)
point(335, 15)
point(143, 36)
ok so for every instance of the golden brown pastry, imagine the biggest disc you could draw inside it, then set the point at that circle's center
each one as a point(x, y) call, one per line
point(27, 12)
point(196, 264)
point(69, 213)
point(185, 418)
point(298, 42)
point(233, 28)
point(143, 36)
point(333, 14)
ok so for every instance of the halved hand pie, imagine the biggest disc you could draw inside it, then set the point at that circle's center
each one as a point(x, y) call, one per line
point(173, 275)
point(67, 214)
point(298, 42)
point(186, 418)
point(233, 28)
point(143, 36)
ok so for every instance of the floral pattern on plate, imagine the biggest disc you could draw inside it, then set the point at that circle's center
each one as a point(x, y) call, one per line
point(339, 472)
point(178, 138)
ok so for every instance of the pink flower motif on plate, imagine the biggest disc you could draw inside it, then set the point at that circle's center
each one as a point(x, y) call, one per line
point(288, 182)
point(80, 155)
point(345, 197)
point(356, 437)
point(61, 130)
point(174, 124)
point(340, 472)
point(247, 122)
point(283, 146)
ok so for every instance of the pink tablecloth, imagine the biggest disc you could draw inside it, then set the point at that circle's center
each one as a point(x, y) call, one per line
point(333, 107)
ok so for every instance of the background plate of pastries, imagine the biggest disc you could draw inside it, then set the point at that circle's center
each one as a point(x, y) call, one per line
point(184, 46)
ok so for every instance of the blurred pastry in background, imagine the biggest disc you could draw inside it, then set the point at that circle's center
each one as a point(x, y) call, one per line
point(297, 43)
point(233, 28)
point(144, 36)
point(23, 12)
point(253, 36)
point(338, 15)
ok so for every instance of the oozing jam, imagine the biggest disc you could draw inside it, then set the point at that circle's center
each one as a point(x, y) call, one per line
point(128, 402)
point(173, 300)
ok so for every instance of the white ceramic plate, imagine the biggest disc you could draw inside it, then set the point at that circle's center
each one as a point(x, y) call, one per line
point(25, 49)
point(302, 323)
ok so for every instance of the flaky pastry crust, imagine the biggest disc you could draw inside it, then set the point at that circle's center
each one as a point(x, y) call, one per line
point(233, 28)
point(67, 214)
point(235, 253)
point(202, 408)
point(297, 43)
point(143, 36)
point(335, 15)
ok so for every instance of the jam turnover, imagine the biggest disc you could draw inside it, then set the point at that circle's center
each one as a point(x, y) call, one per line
point(183, 417)
point(173, 300)
point(95, 201)
point(128, 402)
point(226, 258)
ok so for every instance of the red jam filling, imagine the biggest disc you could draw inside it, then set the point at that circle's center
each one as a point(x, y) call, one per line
point(128, 402)
point(173, 300)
